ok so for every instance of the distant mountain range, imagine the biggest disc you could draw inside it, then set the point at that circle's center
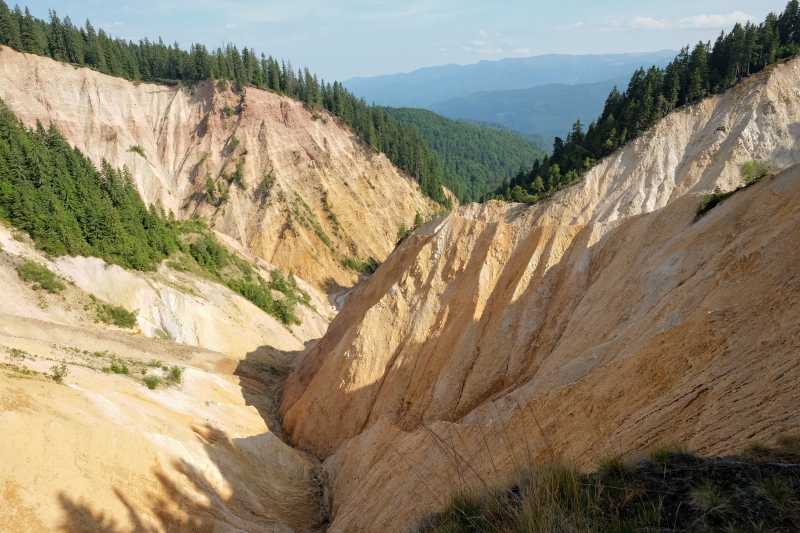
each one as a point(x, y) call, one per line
point(539, 112)
point(537, 96)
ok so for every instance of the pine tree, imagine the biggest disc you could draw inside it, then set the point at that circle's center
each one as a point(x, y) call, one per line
point(9, 28)
point(31, 42)
point(698, 80)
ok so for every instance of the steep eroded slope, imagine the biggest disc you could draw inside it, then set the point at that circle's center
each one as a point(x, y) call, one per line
point(307, 193)
point(604, 321)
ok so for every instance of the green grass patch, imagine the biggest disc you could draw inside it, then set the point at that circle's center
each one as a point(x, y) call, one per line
point(671, 491)
point(152, 381)
point(175, 375)
point(238, 275)
point(365, 267)
point(751, 172)
point(115, 315)
point(40, 277)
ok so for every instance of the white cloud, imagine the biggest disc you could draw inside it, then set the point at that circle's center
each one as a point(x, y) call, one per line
point(648, 23)
point(713, 22)
point(719, 21)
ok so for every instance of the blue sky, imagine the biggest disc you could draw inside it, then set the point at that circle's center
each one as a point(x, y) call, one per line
point(344, 38)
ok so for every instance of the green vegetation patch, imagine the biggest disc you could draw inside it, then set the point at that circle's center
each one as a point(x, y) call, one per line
point(303, 213)
point(118, 366)
point(138, 149)
point(237, 274)
point(115, 315)
point(151, 381)
point(40, 277)
point(58, 372)
point(752, 172)
point(675, 491)
point(365, 267)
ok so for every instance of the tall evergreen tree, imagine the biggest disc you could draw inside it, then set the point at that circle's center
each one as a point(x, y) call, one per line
point(9, 28)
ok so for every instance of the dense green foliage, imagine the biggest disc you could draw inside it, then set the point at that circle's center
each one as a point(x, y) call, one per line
point(158, 62)
point(671, 491)
point(55, 194)
point(476, 159)
point(40, 277)
point(654, 92)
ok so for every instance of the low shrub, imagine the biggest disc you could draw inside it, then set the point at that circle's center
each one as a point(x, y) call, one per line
point(362, 267)
point(118, 366)
point(710, 201)
point(59, 372)
point(40, 277)
point(138, 149)
point(152, 381)
point(175, 375)
point(116, 315)
point(752, 171)
point(403, 232)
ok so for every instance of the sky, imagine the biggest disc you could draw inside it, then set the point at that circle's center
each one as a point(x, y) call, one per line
point(340, 39)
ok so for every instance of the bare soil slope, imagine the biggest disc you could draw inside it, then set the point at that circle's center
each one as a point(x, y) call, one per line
point(311, 194)
point(102, 450)
point(605, 321)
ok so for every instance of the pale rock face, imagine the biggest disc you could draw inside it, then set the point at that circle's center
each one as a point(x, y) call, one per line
point(330, 197)
point(170, 305)
point(604, 321)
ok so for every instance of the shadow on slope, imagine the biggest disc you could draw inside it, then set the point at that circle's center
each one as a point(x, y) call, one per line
point(661, 329)
point(252, 484)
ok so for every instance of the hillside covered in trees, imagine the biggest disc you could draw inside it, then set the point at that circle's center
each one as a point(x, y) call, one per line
point(158, 62)
point(476, 159)
point(653, 93)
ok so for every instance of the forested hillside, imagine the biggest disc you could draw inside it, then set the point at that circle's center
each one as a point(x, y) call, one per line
point(653, 93)
point(476, 158)
point(545, 111)
point(55, 194)
point(158, 62)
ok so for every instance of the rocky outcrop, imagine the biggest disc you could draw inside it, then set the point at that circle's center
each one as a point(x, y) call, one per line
point(604, 321)
point(310, 194)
